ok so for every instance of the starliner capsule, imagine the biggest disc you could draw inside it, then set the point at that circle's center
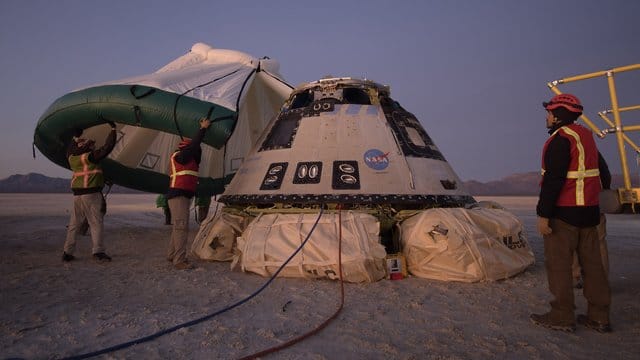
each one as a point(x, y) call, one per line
point(346, 141)
point(343, 163)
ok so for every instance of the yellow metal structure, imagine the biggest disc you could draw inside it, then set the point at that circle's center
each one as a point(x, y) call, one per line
point(626, 194)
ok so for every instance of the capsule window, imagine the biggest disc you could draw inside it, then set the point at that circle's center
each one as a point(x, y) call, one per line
point(282, 133)
point(301, 100)
point(355, 96)
point(414, 136)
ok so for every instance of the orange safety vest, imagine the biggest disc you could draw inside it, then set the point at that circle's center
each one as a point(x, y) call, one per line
point(183, 176)
point(85, 173)
point(582, 186)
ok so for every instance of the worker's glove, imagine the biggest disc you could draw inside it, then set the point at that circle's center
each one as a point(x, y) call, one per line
point(543, 226)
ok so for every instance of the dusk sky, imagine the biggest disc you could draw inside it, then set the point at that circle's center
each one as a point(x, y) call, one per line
point(473, 72)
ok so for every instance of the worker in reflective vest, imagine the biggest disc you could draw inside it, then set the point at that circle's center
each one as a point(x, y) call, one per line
point(183, 181)
point(86, 184)
point(582, 182)
point(568, 215)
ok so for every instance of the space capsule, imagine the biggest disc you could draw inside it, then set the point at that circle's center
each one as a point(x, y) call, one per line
point(345, 181)
point(345, 141)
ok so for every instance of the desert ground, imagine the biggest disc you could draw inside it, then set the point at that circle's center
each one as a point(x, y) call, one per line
point(50, 309)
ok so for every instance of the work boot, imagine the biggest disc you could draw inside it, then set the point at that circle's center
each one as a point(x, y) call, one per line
point(101, 257)
point(67, 257)
point(546, 321)
point(594, 325)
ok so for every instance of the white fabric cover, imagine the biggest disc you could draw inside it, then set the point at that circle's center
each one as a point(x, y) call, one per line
point(224, 77)
point(216, 237)
point(467, 245)
point(270, 239)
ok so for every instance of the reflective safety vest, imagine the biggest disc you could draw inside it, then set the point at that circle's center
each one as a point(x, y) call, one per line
point(183, 176)
point(582, 186)
point(85, 173)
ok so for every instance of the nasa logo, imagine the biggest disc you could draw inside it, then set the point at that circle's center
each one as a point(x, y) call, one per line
point(376, 159)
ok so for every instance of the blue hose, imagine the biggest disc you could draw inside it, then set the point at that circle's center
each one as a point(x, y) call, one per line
point(204, 318)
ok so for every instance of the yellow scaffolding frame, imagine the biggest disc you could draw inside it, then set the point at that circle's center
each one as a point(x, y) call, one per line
point(627, 194)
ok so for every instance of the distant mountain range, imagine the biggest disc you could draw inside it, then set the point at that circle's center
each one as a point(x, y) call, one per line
point(521, 184)
point(525, 184)
point(38, 183)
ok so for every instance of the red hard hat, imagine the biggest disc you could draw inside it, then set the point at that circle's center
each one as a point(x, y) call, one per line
point(184, 143)
point(567, 101)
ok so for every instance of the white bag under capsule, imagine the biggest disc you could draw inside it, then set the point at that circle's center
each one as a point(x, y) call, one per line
point(468, 245)
point(216, 237)
point(270, 239)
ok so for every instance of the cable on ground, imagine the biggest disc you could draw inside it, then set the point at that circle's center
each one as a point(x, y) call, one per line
point(201, 319)
point(326, 322)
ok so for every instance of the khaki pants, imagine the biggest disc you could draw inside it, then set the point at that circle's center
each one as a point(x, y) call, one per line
point(179, 207)
point(87, 207)
point(559, 247)
point(604, 252)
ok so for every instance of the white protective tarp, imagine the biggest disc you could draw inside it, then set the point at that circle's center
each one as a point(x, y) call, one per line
point(271, 239)
point(253, 87)
point(216, 237)
point(468, 245)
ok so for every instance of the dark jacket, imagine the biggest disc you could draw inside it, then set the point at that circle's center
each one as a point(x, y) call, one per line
point(557, 159)
point(95, 157)
point(192, 151)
